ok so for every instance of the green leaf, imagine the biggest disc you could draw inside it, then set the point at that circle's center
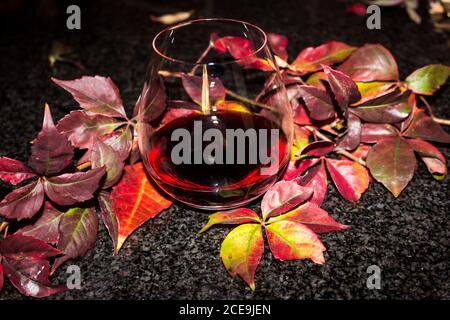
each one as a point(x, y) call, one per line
point(428, 79)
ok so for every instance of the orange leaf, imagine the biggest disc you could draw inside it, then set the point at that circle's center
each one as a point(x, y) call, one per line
point(134, 200)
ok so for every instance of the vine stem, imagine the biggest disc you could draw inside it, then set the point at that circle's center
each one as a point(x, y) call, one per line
point(4, 225)
point(200, 59)
point(445, 122)
point(340, 151)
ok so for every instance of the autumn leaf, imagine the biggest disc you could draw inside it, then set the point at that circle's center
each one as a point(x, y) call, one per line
point(24, 202)
point(235, 216)
point(77, 233)
point(352, 137)
point(278, 43)
point(310, 59)
point(95, 94)
point(134, 200)
point(151, 103)
point(392, 162)
point(193, 87)
point(51, 151)
point(109, 218)
point(344, 89)
point(371, 62)
point(372, 90)
point(19, 246)
point(424, 127)
point(121, 141)
point(374, 132)
point(172, 18)
point(13, 171)
point(241, 252)
point(318, 102)
point(316, 178)
point(427, 80)
point(104, 156)
point(431, 156)
point(318, 148)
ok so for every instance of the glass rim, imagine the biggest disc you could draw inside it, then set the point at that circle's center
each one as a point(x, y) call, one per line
point(189, 22)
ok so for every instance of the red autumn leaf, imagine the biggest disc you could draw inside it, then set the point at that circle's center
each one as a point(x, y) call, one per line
point(431, 156)
point(289, 240)
point(350, 178)
point(121, 141)
point(235, 216)
point(300, 116)
point(103, 155)
point(283, 196)
point(193, 87)
point(424, 127)
point(134, 200)
point(296, 168)
point(179, 108)
point(318, 102)
point(77, 233)
point(372, 90)
point(241, 252)
point(374, 132)
point(332, 52)
point(313, 217)
point(371, 62)
point(392, 162)
point(30, 277)
point(278, 43)
point(317, 80)
point(13, 171)
point(109, 218)
point(389, 108)
point(71, 188)
point(46, 227)
point(352, 137)
point(344, 89)
point(318, 148)
point(95, 94)
point(316, 178)
point(19, 247)
point(24, 202)
point(81, 128)
point(151, 102)
point(51, 151)
point(357, 8)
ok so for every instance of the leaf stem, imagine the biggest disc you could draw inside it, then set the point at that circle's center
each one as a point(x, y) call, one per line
point(4, 225)
point(340, 151)
point(200, 59)
point(84, 166)
point(445, 122)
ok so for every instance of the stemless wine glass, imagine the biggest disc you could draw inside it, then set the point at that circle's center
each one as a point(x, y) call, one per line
point(214, 120)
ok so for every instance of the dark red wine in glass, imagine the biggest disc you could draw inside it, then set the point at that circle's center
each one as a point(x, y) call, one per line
point(199, 91)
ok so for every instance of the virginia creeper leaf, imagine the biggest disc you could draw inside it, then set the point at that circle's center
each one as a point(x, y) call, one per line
point(134, 200)
point(152, 101)
point(235, 216)
point(344, 89)
point(350, 178)
point(296, 168)
point(332, 52)
point(289, 240)
point(313, 217)
point(389, 108)
point(283, 196)
point(24, 202)
point(372, 90)
point(193, 87)
point(241, 252)
point(371, 62)
point(392, 162)
point(352, 137)
point(105, 156)
point(427, 80)
point(374, 132)
point(424, 127)
point(46, 227)
point(318, 102)
point(433, 158)
point(71, 188)
point(318, 148)
point(278, 43)
point(95, 94)
point(77, 233)
point(51, 151)
point(108, 216)
point(18, 246)
point(81, 128)
point(316, 178)
point(13, 171)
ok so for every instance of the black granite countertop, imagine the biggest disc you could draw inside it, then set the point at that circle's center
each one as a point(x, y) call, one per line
point(408, 237)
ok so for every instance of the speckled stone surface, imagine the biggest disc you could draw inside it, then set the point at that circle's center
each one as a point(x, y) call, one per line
point(408, 237)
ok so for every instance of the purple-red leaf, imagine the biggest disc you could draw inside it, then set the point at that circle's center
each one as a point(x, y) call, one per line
point(282, 197)
point(313, 217)
point(95, 94)
point(24, 202)
point(121, 141)
point(14, 171)
point(109, 218)
point(46, 227)
point(81, 128)
point(289, 240)
point(77, 233)
point(18, 246)
point(296, 168)
point(71, 188)
point(352, 137)
point(371, 62)
point(104, 156)
point(424, 127)
point(392, 162)
point(316, 178)
point(152, 101)
point(344, 89)
point(318, 148)
point(235, 216)
point(374, 132)
point(51, 151)
point(350, 178)
point(433, 158)
point(193, 87)
point(318, 102)
point(278, 43)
